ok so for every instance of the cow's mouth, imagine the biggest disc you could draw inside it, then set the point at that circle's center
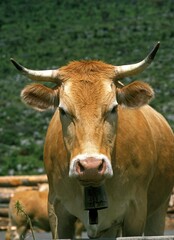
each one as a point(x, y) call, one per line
point(95, 199)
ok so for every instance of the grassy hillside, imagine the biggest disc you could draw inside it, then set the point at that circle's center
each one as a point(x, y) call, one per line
point(48, 34)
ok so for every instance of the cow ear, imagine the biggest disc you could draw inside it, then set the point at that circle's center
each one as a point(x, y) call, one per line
point(40, 97)
point(135, 94)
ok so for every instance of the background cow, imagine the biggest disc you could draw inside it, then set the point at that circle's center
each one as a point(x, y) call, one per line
point(104, 135)
point(34, 203)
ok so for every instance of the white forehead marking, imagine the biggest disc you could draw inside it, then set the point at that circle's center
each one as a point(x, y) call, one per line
point(63, 106)
point(67, 88)
point(108, 86)
point(115, 103)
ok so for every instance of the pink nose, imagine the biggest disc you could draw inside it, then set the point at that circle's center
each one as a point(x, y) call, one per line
point(91, 169)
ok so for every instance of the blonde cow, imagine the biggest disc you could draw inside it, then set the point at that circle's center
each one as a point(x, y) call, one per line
point(108, 155)
point(34, 203)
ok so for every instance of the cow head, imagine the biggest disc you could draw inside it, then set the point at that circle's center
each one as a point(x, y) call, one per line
point(87, 95)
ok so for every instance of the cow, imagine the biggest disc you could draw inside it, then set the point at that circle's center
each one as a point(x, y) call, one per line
point(34, 203)
point(104, 136)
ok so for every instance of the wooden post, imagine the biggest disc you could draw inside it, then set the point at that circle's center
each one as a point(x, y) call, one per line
point(3, 210)
point(14, 181)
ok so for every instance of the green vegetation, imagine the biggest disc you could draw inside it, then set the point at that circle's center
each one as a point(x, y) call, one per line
point(21, 210)
point(48, 34)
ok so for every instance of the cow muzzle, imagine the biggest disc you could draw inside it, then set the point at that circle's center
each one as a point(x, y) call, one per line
point(90, 169)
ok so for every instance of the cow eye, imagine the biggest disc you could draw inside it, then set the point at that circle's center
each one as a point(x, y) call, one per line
point(65, 114)
point(113, 110)
point(62, 111)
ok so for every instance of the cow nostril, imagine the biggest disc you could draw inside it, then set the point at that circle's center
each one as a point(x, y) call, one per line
point(100, 168)
point(80, 167)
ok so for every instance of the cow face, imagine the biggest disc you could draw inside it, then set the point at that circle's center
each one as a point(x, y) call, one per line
point(87, 105)
point(87, 101)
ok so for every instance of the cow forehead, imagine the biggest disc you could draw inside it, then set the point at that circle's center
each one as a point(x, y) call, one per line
point(69, 87)
point(86, 93)
point(87, 83)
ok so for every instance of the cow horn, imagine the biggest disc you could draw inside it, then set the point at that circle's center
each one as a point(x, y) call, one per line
point(133, 69)
point(36, 75)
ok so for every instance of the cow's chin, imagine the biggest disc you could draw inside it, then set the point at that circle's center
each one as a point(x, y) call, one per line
point(91, 183)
